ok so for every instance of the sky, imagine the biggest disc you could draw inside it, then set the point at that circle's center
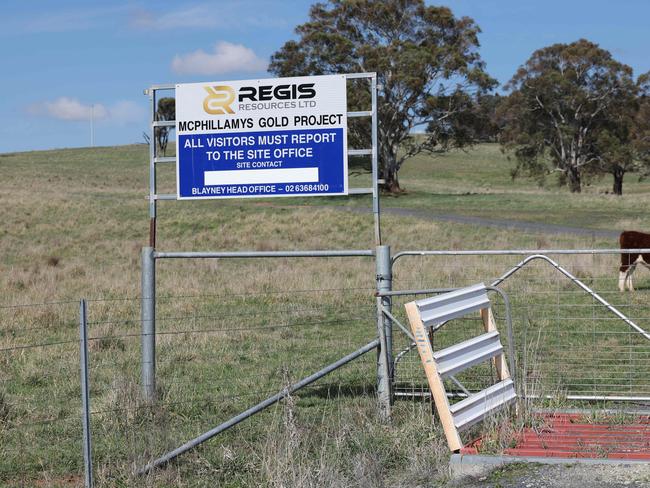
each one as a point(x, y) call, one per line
point(63, 60)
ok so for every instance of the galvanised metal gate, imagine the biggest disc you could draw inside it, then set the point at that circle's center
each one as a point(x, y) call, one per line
point(576, 336)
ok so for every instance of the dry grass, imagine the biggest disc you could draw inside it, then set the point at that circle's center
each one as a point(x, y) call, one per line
point(234, 331)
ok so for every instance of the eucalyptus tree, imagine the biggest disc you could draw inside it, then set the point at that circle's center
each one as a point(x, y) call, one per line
point(428, 67)
point(641, 127)
point(166, 110)
point(569, 112)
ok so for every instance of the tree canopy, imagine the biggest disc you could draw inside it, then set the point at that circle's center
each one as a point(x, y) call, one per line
point(570, 110)
point(166, 110)
point(428, 69)
point(641, 128)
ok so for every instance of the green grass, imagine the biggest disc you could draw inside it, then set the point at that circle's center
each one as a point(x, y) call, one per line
point(234, 331)
point(478, 183)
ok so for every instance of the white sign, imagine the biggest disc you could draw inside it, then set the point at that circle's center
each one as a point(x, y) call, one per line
point(254, 138)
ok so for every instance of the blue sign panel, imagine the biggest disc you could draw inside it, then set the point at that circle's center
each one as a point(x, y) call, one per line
point(270, 163)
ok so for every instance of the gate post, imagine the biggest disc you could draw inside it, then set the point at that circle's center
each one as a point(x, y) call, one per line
point(385, 283)
point(148, 319)
point(384, 329)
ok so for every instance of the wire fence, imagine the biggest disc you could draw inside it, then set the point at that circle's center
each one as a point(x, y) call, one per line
point(216, 357)
point(568, 344)
point(40, 421)
point(217, 354)
point(220, 353)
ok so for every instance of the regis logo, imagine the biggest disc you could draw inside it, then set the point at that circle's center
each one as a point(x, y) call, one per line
point(279, 92)
point(219, 99)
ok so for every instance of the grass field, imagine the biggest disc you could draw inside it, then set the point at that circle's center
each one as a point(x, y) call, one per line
point(232, 332)
point(478, 183)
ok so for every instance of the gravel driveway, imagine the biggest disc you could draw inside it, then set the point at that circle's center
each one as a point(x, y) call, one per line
point(561, 476)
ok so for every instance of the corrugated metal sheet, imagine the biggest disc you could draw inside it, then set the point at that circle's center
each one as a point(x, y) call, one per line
point(439, 309)
point(570, 436)
point(475, 408)
point(468, 353)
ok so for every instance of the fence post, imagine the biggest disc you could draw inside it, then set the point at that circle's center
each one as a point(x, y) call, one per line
point(148, 318)
point(85, 396)
point(385, 283)
point(384, 356)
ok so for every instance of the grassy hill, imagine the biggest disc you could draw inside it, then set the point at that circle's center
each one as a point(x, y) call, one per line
point(67, 209)
point(234, 331)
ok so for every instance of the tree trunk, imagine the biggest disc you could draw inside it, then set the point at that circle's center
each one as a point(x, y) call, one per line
point(391, 181)
point(388, 172)
point(575, 185)
point(618, 174)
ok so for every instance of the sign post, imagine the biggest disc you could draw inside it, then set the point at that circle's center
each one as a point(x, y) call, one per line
point(262, 138)
point(254, 138)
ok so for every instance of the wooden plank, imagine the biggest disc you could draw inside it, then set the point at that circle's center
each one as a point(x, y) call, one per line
point(435, 383)
point(499, 362)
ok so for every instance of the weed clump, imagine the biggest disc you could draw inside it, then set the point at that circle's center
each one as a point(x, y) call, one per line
point(5, 409)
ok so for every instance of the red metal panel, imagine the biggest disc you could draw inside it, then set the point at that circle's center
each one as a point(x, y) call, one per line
point(567, 436)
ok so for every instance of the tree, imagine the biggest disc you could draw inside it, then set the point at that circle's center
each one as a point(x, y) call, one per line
point(615, 154)
point(427, 64)
point(487, 126)
point(166, 111)
point(624, 144)
point(641, 127)
point(561, 102)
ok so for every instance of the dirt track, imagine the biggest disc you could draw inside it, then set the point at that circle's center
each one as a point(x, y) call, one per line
point(561, 476)
point(537, 227)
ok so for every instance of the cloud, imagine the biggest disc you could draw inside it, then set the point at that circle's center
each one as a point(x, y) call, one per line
point(71, 109)
point(59, 20)
point(125, 112)
point(225, 58)
point(197, 16)
point(64, 108)
point(224, 15)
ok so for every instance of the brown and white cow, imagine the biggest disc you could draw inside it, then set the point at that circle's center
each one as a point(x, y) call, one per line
point(630, 239)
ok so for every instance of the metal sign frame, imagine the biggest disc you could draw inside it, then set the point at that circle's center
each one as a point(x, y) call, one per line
point(155, 159)
point(150, 255)
point(250, 147)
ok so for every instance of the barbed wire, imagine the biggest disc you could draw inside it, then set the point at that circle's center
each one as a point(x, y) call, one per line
point(239, 314)
point(19, 328)
point(185, 331)
point(37, 304)
point(42, 344)
point(199, 295)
